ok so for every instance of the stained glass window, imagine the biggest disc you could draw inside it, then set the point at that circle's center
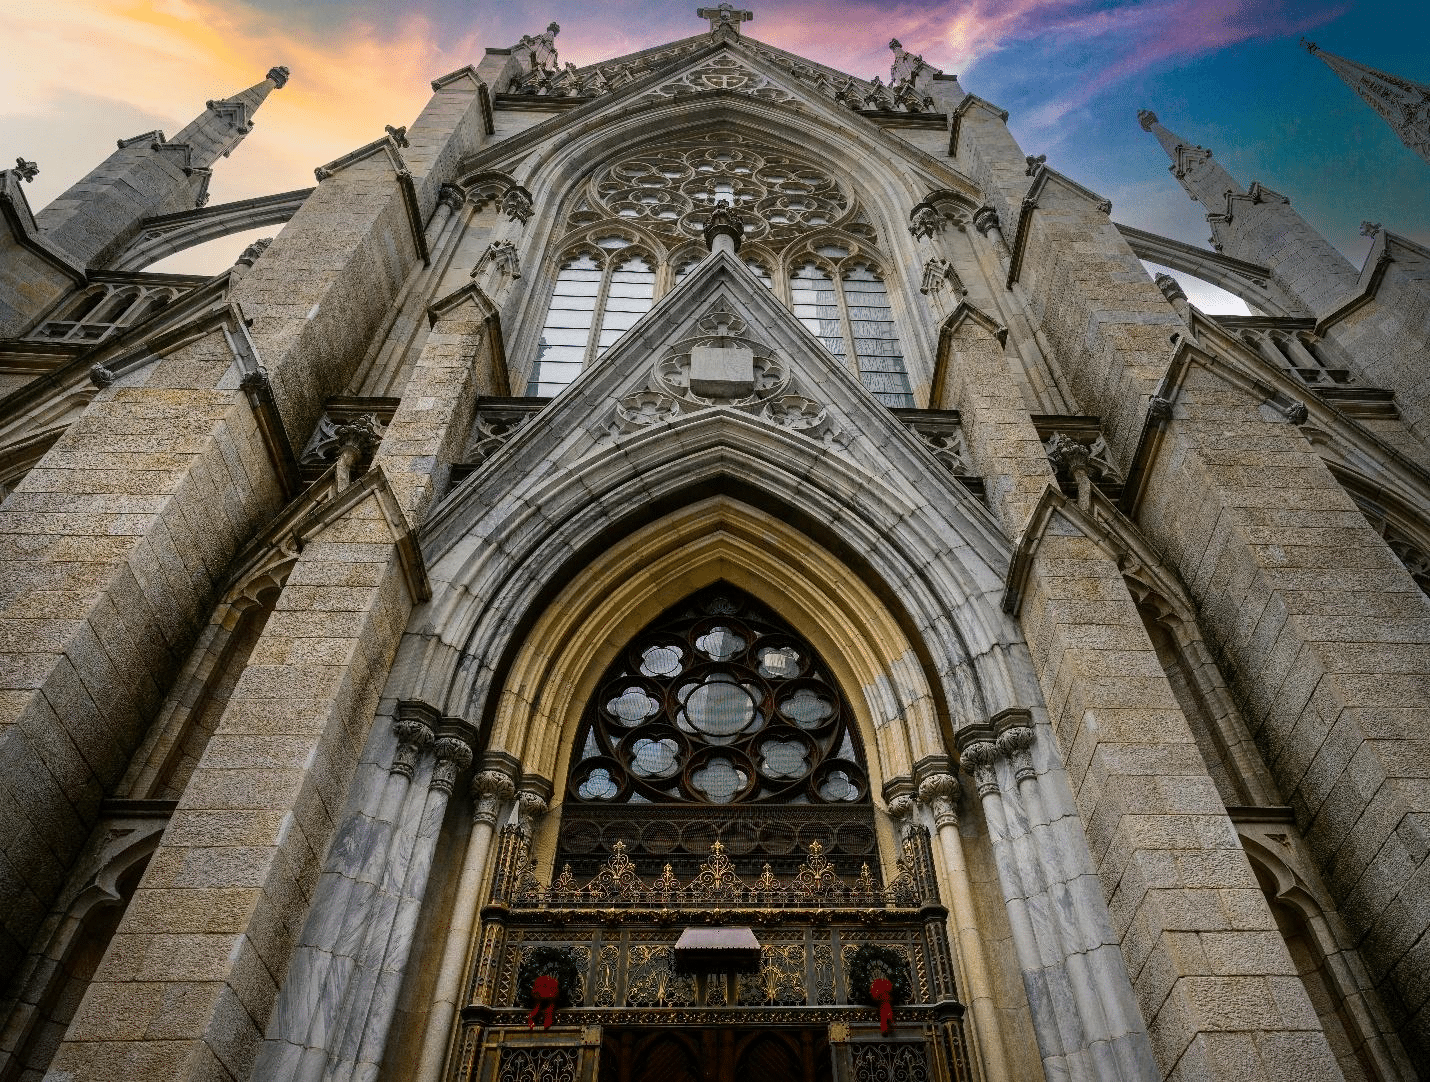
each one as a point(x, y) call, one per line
point(589, 294)
point(718, 702)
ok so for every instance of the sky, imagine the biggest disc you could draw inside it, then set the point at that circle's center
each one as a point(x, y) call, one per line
point(1226, 74)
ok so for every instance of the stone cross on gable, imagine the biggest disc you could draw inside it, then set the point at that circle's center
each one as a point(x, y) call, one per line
point(725, 16)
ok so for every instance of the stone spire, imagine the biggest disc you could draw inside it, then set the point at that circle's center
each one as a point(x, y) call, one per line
point(1260, 226)
point(148, 175)
point(1401, 103)
point(222, 125)
point(1193, 166)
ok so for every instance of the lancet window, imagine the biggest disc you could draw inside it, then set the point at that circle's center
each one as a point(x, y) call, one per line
point(598, 296)
point(851, 316)
point(805, 238)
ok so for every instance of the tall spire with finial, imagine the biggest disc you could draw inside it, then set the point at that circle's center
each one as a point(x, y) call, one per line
point(1401, 103)
point(1194, 167)
point(222, 125)
point(148, 175)
point(1258, 225)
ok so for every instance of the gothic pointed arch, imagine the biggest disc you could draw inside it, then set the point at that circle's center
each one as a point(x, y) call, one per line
point(718, 720)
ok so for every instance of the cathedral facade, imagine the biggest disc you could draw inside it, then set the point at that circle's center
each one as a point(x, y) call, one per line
point(700, 566)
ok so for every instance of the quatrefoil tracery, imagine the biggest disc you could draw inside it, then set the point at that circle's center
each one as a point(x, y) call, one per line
point(719, 705)
point(672, 190)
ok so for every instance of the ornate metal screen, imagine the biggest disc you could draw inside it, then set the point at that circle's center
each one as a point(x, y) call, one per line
point(617, 931)
point(718, 780)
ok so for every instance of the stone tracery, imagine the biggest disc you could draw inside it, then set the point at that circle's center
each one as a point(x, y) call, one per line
point(672, 189)
point(718, 703)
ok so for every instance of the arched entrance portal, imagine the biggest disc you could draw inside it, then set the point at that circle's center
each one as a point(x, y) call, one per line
point(716, 908)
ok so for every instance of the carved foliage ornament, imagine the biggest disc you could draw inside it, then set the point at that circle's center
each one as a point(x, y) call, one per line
point(769, 394)
point(817, 882)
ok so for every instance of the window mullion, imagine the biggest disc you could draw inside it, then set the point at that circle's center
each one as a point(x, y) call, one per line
point(598, 317)
point(845, 324)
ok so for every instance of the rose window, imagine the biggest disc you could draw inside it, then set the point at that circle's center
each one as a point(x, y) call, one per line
point(673, 189)
point(718, 703)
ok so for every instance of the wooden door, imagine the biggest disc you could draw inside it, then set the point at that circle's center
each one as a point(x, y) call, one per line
point(727, 1054)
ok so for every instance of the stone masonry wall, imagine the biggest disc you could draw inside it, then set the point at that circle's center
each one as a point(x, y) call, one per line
point(186, 987)
point(112, 548)
point(1341, 616)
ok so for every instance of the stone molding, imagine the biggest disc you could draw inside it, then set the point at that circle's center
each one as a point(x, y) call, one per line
point(1043, 177)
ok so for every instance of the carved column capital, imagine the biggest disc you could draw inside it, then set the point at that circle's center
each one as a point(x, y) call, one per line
point(516, 205)
point(414, 729)
point(490, 790)
point(903, 808)
point(451, 196)
point(925, 221)
point(724, 222)
point(454, 755)
point(985, 219)
point(940, 793)
point(980, 758)
point(530, 806)
point(1014, 741)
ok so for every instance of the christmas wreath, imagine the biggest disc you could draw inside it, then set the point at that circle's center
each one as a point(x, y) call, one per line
point(879, 977)
point(556, 962)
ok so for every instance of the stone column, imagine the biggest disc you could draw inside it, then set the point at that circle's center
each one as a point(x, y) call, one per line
point(453, 750)
point(724, 230)
point(318, 976)
point(939, 793)
point(987, 223)
point(450, 199)
point(1099, 978)
point(492, 790)
point(1058, 1029)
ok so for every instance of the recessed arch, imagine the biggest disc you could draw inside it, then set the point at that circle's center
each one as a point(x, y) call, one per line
point(943, 566)
point(860, 156)
point(898, 710)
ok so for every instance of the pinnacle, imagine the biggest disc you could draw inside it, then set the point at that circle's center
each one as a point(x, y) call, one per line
point(278, 76)
point(1146, 118)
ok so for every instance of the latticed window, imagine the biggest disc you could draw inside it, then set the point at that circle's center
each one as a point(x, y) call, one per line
point(803, 233)
point(853, 315)
point(718, 702)
point(876, 342)
point(592, 291)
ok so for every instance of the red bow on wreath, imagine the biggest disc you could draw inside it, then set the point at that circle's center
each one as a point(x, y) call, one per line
point(544, 990)
point(881, 992)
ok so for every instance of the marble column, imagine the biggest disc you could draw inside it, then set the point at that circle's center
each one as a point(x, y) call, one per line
point(492, 791)
point(1060, 1034)
point(308, 1003)
point(454, 754)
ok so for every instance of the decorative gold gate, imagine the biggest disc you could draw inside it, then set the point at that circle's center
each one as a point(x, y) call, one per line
point(619, 932)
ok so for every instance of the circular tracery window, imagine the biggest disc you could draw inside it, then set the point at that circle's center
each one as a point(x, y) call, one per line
point(673, 189)
point(718, 702)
